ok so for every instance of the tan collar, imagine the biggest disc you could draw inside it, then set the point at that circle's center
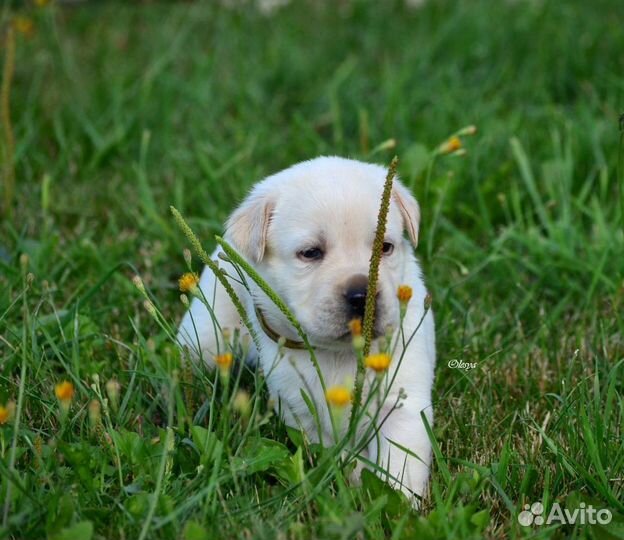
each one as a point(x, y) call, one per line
point(288, 343)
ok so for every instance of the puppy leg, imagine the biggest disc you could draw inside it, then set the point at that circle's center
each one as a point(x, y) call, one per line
point(200, 331)
point(405, 427)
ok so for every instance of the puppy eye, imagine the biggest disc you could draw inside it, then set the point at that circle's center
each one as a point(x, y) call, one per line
point(312, 254)
point(387, 248)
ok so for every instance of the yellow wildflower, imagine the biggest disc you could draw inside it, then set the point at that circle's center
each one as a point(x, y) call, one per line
point(224, 361)
point(452, 144)
point(404, 293)
point(4, 414)
point(355, 326)
point(378, 362)
point(188, 281)
point(23, 25)
point(339, 396)
point(64, 391)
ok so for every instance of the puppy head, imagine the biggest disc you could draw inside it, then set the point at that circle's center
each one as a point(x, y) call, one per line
point(309, 231)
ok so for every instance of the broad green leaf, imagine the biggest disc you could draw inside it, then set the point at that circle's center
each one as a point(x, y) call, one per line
point(260, 455)
point(206, 442)
point(80, 531)
point(194, 530)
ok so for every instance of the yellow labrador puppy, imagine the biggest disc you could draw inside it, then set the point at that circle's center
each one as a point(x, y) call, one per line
point(308, 230)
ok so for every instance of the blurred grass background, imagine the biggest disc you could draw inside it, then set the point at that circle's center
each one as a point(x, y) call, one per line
point(120, 110)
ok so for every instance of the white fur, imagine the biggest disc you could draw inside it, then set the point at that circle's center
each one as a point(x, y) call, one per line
point(333, 201)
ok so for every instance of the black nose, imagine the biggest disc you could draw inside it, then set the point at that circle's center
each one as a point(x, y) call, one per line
point(355, 295)
point(356, 298)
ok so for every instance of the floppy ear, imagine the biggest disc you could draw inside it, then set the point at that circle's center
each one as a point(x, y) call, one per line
point(410, 211)
point(247, 227)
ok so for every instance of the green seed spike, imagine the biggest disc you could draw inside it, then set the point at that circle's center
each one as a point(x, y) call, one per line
point(201, 253)
point(373, 277)
point(620, 171)
point(373, 271)
point(273, 296)
point(7, 150)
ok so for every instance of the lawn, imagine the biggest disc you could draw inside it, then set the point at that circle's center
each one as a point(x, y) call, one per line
point(120, 110)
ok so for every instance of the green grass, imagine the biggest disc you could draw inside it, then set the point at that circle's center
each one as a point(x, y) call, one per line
point(119, 112)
